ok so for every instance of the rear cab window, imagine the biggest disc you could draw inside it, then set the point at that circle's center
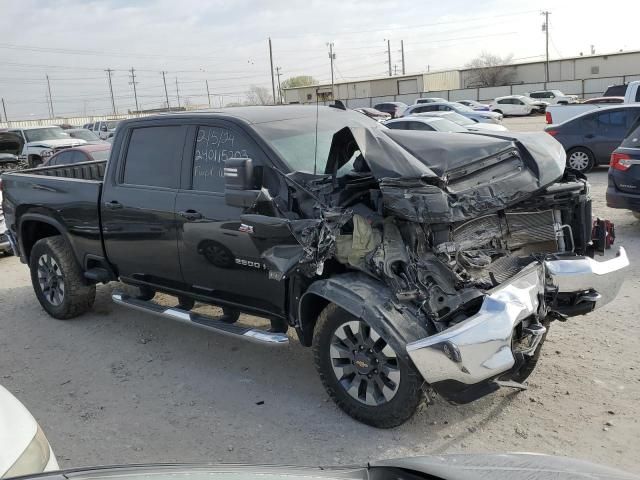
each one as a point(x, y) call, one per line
point(153, 156)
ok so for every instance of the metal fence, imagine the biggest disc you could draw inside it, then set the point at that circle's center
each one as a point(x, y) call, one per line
point(586, 88)
point(76, 121)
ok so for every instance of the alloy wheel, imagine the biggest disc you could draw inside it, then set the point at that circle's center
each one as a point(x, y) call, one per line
point(364, 364)
point(51, 280)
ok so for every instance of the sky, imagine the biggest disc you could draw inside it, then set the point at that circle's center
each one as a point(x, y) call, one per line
point(226, 44)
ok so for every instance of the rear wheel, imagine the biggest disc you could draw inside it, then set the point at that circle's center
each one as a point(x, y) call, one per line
point(58, 281)
point(580, 159)
point(362, 373)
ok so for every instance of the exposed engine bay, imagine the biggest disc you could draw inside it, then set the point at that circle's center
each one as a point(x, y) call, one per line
point(438, 232)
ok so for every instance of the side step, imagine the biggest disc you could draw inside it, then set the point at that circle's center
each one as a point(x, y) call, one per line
point(197, 320)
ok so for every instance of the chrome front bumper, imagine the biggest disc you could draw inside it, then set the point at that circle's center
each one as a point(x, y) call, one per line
point(479, 348)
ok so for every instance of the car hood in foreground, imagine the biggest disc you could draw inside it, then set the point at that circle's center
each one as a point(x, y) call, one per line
point(446, 467)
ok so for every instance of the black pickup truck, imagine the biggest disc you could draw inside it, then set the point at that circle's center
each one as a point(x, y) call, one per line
point(411, 262)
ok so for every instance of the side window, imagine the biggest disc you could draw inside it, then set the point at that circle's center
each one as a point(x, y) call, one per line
point(445, 108)
point(398, 125)
point(214, 145)
point(63, 158)
point(420, 126)
point(78, 157)
point(535, 95)
point(617, 119)
point(517, 102)
point(503, 101)
point(153, 156)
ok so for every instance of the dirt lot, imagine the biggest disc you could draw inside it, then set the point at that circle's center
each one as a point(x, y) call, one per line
point(116, 386)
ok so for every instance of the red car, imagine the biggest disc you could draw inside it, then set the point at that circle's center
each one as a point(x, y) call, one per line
point(605, 100)
point(84, 153)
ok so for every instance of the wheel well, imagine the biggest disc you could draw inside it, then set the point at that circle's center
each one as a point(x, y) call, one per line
point(310, 309)
point(32, 231)
point(580, 147)
point(497, 110)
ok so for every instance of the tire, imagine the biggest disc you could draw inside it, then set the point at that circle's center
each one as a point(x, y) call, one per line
point(230, 315)
point(498, 111)
point(521, 372)
point(58, 281)
point(186, 303)
point(580, 159)
point(387, 407)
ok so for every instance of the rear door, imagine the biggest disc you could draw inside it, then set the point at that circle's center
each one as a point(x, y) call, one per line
point(138, 220)
point(220, 257)
point(606, 133)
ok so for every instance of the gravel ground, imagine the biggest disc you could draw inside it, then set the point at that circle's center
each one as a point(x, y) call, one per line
point(116, 386)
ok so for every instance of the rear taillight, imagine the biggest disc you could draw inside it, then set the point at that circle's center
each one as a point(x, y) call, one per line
point(620, 161)
point(547, 118)
point(553, 133)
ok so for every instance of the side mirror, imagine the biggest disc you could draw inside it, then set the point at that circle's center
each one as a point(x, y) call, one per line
point(239, 182)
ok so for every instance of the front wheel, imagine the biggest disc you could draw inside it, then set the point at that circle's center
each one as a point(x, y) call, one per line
point(362, 373)
point(57, 279)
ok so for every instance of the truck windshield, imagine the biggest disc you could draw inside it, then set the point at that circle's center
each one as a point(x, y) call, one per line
point(295, 139)
point(41, 134)
point(112, 125)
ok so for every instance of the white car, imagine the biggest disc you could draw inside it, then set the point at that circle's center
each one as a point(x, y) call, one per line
point(24, 450)
point(5, 246)
point(469, 124)
point(553, 97)
point(485, 117)
point(428, 124)
point(42, 142)
point(429, 100)
point(104, 129)
point(516, 105)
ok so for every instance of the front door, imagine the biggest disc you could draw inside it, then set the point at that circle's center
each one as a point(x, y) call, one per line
point(607, 133)
point(219, 255)
point(137, 207)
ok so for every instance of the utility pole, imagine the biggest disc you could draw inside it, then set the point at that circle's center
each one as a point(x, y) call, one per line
point(545, 29)
point(166, 94)
point(395, 69)
point(389, 55)
point(279, 87)
point(402, 53)
point(135, 93)
point(208, 96)
point(113, 102)
point(4, 109)
point(177, 92)
point(273, 82)
point(332, 57)
point(50, 99)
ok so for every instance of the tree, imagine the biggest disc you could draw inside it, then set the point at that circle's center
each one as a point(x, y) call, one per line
point(299, 81)
point(259, 96)
point(490, 70)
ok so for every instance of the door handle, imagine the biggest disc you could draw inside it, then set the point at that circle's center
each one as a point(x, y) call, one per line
point(113, 205)
point(589, 135)
point(190, 215)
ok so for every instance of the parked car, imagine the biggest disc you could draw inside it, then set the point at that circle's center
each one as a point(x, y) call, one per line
point(590, 138)
point(483, 107)
point(84, 134)
point(432, 124)
point(42, 142)
point(623, 190)
point(470, 125)
point(24, 449)
point(553, 97)
point(394, 109)
point(504, 466)
point(630, 91)
point(375, 114)
point(11, 145)
point(84, 153)
point(234, 208)
point(604, 100)
point(487, 117)
point(429, 100)
point(104, 128)
point(561, 113)
point(517, 105)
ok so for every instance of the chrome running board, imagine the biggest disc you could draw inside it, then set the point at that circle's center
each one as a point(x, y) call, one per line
point(203, 321)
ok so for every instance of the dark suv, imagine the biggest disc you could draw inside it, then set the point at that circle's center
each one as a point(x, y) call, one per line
point(394, 109)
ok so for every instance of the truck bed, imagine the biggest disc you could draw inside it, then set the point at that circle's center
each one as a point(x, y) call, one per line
point(66, 197)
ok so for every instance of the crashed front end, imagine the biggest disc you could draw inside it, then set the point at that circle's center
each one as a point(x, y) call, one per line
point(480, 241)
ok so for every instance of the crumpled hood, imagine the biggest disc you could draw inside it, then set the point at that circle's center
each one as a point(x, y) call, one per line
point(10, 143)
point(443, 152)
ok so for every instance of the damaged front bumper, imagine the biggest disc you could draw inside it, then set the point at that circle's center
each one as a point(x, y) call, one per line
point(461, 362)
